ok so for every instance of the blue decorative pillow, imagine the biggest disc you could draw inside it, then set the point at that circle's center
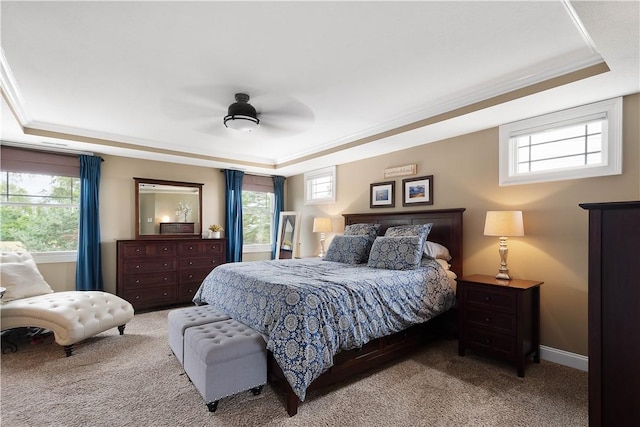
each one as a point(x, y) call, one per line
point(396, 253)
point(370, 230)
point(420, 230)
point(348, 249)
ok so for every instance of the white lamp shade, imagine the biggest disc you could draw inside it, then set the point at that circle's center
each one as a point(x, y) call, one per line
point(504, 224)
point(322, 225)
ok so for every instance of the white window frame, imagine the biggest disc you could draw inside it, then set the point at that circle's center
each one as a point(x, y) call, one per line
point(310, 177)
point(262, 247)
point(611, 164)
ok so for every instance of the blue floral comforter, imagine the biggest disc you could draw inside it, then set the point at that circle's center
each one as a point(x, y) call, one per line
point(311, 309)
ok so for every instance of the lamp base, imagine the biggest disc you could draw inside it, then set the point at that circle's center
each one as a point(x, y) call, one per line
point(503, 275)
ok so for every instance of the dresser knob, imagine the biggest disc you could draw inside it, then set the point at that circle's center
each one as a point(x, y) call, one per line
point(190, 248)
point(137, 249)
point(137, 281)
point(487, 341)
point(165, 264)
point(487, 298)
point(487, 319)
point(190, 262)
point(165, 249)
point(165, 294)
point(137, 296)
point(191, 276)
point(137, 266)
point(166, 278)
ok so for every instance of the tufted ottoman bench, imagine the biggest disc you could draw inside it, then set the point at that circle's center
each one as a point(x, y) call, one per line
point(224, 358)
point(182, 318)
point(72, 316)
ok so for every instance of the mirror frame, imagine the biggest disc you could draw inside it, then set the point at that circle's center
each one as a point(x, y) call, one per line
point(284, 216)
point(197, 232)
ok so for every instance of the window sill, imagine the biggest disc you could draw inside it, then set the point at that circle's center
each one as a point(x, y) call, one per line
point(54, 257)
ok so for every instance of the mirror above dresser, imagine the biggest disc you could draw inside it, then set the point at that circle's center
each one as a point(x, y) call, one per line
point(167, 209)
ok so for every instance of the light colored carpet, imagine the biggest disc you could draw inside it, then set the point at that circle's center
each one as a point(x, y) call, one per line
point(134, 380)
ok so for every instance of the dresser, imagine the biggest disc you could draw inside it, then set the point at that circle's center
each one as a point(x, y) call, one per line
point(500, 318)
point(614, 313)
point(159, 273)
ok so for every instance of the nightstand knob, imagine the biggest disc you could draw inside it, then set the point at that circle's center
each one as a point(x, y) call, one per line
point(487, 319)
point(487, 341)
point(487, 298)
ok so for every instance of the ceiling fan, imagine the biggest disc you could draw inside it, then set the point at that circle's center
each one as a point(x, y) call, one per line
point(270, 115)
point(241, 115)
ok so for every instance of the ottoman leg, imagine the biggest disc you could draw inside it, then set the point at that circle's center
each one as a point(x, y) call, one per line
point(256, 390)
point(121, 329)
point(213, 406)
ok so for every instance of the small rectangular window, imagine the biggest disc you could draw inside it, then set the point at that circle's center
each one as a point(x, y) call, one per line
point(580, 142)
point(320, 186)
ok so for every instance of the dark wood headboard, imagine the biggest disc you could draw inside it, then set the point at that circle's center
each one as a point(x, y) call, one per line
point(447, 227)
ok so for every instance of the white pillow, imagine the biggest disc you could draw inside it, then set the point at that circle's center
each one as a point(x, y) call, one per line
point(20, 276)
point(436, 250)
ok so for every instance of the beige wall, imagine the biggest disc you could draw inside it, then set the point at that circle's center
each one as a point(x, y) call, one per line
point(465, 171)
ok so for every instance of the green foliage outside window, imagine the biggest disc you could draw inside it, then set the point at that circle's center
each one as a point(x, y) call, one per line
point(257, 217)
point(40, 211)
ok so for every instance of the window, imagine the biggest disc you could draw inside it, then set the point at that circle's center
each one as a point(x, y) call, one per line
point(40, 211)
point(320, 186)
point(257, 213)
point(580, 142)
point(39, 204)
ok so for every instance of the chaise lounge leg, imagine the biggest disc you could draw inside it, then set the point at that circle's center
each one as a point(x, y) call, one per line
point(121, 329)
point(257, 390)
point(68, 350)
point(213, 406)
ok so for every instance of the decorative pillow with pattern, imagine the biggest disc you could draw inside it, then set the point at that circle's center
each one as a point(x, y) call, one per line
point(349, 249)
point(370, 230)
point(420, 230)
point(396, 253)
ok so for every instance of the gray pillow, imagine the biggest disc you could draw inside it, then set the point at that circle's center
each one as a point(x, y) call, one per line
point(370, 230)
point(348, 249)
point(396, 253)
point(420, 230)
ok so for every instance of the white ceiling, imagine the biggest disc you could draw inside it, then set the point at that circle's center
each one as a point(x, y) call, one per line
point(332, 81)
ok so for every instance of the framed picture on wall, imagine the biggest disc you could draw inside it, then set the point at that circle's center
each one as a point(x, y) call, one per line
point(417, 191)
point(382, 195)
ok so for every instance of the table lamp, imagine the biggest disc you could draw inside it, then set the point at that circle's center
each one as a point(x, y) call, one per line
point(322, 225)
point(503, 224)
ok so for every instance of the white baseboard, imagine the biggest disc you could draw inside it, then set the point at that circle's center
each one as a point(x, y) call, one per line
point(565, 358)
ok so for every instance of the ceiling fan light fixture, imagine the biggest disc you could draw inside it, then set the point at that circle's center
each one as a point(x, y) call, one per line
point(241, 115)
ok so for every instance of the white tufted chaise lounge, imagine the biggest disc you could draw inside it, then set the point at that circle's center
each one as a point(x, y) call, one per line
point(72, 316)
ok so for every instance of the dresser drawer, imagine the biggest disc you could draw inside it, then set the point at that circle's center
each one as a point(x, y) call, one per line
point(494, 320)
point(211, 247)
point(200, 263)
point(152, 297)
point(143, 249)
point(489, 298)
point(193, 276)
point(187, 292)
point(147, 280)
point(149, 266)
point(499, 344)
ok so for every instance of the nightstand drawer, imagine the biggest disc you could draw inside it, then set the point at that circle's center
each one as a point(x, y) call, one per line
point(494, 320)
point(483, 296)
point(503, 345)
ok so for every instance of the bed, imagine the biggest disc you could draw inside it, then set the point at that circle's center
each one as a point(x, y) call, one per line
point(323, 320)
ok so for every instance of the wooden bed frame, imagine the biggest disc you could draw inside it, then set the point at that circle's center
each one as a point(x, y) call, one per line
point(447, 230)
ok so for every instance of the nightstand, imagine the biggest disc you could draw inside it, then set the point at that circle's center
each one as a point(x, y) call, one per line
point(500, 318)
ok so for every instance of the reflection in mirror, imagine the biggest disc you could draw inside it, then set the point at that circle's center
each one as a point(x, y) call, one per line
point(288, 232)
point(167, 208)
